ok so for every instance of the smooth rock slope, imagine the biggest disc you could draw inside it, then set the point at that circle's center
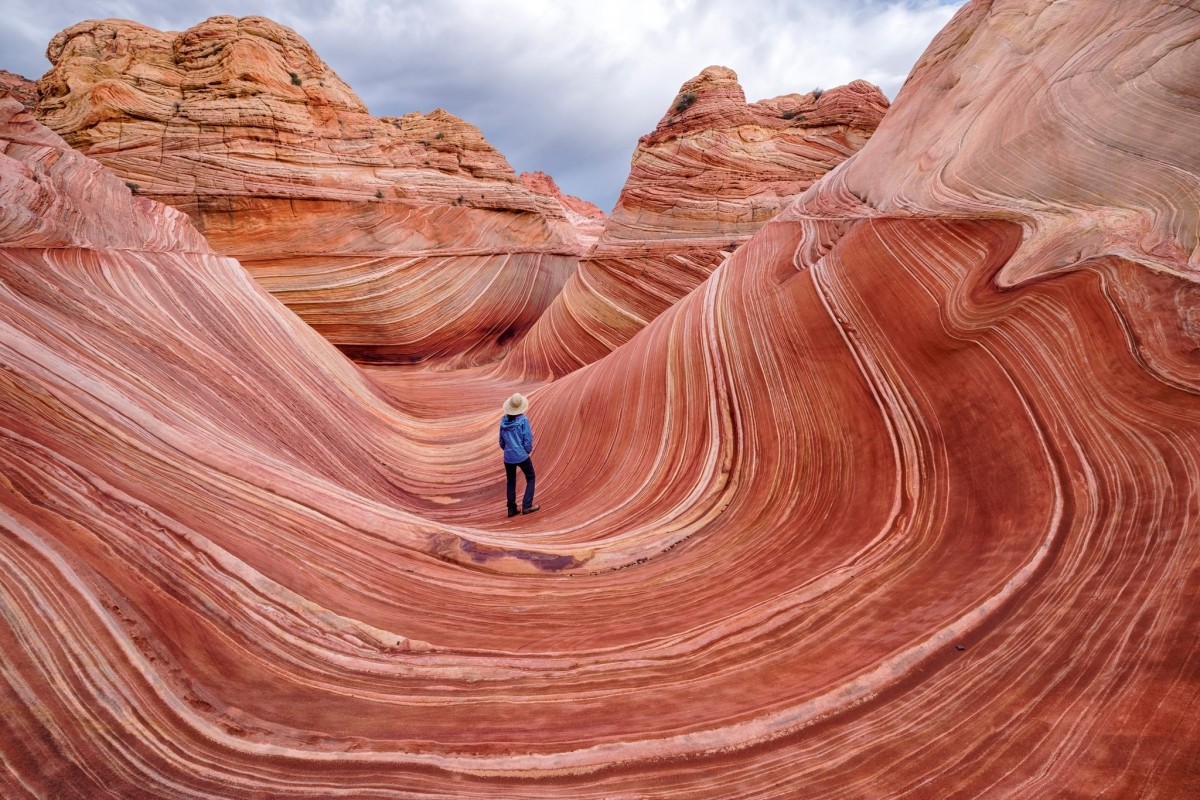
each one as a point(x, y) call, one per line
point(400, 239)
point(900, 502)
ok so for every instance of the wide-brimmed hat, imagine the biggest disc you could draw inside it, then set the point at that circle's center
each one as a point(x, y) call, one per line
point(516, 405)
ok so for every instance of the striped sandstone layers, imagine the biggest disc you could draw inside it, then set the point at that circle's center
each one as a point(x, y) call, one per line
point(900, 502)
point(399, 239)
point(714, 170)
point(587, 218)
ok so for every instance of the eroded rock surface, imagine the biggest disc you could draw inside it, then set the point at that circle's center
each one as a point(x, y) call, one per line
point(714, 170)
point(900, 502)
point(19, 88)
point(399, 239)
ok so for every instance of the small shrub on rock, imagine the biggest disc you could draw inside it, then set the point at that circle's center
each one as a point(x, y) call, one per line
point(684, 102)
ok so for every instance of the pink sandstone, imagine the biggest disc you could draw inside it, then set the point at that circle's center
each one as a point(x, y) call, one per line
point(904, 504)
point(587, 218)
point(399, 239)
point(714, 170)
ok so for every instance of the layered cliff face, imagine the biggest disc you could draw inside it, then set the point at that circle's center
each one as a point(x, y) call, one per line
point(399, 239)
point(900, 502)
point(714, 170)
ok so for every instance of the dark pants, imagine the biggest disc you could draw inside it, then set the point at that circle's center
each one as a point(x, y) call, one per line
point(511, 471)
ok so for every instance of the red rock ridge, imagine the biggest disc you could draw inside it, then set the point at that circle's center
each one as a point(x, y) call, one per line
point(587, 218)
point(405, 238)
point(713, 171)
point(19, 88)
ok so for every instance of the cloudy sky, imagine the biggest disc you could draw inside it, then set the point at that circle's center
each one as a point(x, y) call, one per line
point(564, 86)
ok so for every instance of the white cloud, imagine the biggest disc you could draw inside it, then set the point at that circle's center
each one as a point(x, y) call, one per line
point(559, 85)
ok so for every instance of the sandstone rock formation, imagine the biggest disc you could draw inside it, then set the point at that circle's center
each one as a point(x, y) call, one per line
point(713, 171)
point(399, 239)
point(18, 87)
point(900, 502)
point(587, 218)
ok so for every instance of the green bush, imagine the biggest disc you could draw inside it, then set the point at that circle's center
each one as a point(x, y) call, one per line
point(295, 79)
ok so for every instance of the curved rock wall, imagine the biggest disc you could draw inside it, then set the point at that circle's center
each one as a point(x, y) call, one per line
point(400, 239)
point(900, 502)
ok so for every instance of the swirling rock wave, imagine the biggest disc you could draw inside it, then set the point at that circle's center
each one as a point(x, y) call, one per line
point(900, 502)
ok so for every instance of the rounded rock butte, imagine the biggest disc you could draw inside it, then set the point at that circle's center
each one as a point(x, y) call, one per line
point(361, 225)
point(904, 504)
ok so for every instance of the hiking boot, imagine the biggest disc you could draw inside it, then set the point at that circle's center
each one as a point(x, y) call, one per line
point(531, 509)
point(512, 512)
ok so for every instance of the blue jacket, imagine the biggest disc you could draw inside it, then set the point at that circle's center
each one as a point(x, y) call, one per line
point(516, 438)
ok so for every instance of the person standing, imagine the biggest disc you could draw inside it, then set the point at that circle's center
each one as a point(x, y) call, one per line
point(516, 440)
